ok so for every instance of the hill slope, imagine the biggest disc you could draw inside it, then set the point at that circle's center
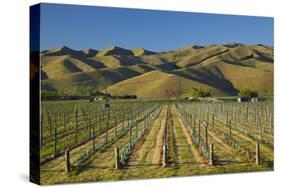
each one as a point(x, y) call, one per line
point(157, 84)
point(225, 69)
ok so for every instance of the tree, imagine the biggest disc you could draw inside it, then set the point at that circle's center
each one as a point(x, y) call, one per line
point(247, 93)
point(254, 94)
point(195, 92)
point(200, 93)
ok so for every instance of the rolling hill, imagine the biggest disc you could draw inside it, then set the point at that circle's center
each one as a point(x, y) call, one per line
point(224, 69)
point(142, 51)
point(158, 84)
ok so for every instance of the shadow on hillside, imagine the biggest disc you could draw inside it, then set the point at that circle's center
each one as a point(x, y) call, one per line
point(209, 79)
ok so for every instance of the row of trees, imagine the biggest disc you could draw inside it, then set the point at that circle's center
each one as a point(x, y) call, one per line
point(247, 93)
point(195, 93)
point(244, 93)
point(201, 93)
point(54, 95)
point(102, 96)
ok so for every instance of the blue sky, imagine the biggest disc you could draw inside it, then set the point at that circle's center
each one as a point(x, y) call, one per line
point(80, 27)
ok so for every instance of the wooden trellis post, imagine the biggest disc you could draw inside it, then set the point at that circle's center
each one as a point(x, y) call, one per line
point(145, 119)
point(260, 128)
point(194, 122)
point(93, 138)
point(67, 161)
point(211, 154)
point(226, 117)
point(100, 115)
point(164, 163)
point(137, 128)
point(230, 133)
point(257, 153)
point(199, 130)
point(208, 117)
point(115, 132)
point(50, 121)
point(271, 124)
point(206, 135)
point(90, 126)
point(247, 113)
point(266, 113)
point(129, 116)
point(64, 120)
point(256, 117)
point(235, 118)
point(123, 121)
point(76, 126)
point(55, 142)
point(96, 118)
point(213, 119)
point(106, 132)
point(130, 135)
point(108, 114)
point(117, 159)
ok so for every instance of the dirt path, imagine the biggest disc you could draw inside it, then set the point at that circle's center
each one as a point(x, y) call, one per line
point(184, 150)
point(198, 157)
point(149, 151)
point(105, 157)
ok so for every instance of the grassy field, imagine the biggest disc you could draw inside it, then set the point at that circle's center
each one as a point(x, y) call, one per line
point(155, 139)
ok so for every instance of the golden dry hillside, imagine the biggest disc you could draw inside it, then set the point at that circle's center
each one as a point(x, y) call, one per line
point(224, 69)
point(142, 51)
point(158, 84)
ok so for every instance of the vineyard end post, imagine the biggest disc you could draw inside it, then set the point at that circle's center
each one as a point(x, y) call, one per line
point(213, 118)
point(55, 142)
point(164, 155)
point(67, 161)
point(257, 153)
point(211, 154)
point(117, 158)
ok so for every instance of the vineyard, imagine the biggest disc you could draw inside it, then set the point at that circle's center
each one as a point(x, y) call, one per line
point(82, 141)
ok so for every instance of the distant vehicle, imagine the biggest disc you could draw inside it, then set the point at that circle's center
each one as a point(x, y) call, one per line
point(255, 99)
point(243, 99)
